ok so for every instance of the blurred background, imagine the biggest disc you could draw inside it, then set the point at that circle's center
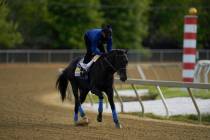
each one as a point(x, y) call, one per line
point(52, 30)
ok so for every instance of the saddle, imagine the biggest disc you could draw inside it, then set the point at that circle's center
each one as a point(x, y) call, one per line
point(80, 71)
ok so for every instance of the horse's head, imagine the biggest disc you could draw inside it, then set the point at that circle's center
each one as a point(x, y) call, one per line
point(120, 61)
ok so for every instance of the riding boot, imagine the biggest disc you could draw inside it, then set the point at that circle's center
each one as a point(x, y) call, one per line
point(87, 66)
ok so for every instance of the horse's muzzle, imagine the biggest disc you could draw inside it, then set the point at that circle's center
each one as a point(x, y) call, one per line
point(123, 78)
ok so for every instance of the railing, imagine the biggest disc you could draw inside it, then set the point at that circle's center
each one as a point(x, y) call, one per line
point(55, 56)
point(159, 84)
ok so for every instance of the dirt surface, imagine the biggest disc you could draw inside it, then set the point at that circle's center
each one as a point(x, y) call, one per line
point(26, 115)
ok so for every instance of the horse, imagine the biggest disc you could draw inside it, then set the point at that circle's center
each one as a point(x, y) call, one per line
point(100, 79)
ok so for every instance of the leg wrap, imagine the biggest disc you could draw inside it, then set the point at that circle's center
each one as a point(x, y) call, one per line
point(82, 113)
point(114, 115)
point(100, 105)
point(75, 117)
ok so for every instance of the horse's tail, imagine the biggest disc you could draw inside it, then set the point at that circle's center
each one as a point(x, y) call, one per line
point(62, 83)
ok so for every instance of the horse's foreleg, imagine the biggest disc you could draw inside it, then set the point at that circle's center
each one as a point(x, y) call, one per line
point(114, 112)
point(83, 94)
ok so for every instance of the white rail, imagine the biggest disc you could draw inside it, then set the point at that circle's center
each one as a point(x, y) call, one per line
point(159, 84)
point(165, 83)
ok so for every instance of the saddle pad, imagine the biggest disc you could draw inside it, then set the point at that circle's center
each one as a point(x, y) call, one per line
point(77, 72)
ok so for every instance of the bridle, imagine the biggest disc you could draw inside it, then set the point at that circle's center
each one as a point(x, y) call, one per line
point(113, 67)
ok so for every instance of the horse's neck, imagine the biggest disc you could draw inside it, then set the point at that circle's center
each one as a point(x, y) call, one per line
point(100, 72)
point(103, 64)
point(110, 58)
point(108, 62)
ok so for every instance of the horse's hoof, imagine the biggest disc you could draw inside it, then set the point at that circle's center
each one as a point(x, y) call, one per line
point(85, 119)
point(99, 118)
point(83, 122)
point(118, 125)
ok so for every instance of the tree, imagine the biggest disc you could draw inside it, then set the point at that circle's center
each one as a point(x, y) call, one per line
point(166, 23)
point(34, 22)
point(129, 21)
point(9, 36)
point(204, 25)
point(71, 18)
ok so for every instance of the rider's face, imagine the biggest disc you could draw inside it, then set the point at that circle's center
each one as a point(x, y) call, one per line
point(105, 36)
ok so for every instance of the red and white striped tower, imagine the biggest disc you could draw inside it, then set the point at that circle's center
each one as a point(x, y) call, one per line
point(189, 45)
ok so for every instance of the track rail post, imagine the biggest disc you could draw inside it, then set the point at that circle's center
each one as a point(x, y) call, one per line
point(195, 104)
point(163, 101)
point(139, 99)
point(120, 99)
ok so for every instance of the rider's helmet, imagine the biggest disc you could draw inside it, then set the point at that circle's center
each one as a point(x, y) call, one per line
point(107, 30)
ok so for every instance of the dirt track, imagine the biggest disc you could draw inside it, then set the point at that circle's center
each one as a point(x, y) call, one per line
point(24, 117)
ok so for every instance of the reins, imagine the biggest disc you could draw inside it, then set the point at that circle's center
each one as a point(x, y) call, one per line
point(110, 64)
point(107, 61)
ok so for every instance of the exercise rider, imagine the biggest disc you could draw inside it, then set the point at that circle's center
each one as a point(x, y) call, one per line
point(94, 41)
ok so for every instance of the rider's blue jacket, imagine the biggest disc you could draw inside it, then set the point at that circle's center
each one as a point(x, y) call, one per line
point(94, 36)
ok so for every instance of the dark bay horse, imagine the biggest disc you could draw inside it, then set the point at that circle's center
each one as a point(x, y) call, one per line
point(101, 77)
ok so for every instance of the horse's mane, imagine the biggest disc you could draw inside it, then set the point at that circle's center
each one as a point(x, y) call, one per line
point(118, 51)
point(114, 51)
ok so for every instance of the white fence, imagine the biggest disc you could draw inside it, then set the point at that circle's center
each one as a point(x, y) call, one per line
point(54, 56)
point(159, 84)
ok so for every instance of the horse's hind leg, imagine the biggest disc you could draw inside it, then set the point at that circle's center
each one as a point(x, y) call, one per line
point(83, 95)
point(77, 102)
point(78, 108)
